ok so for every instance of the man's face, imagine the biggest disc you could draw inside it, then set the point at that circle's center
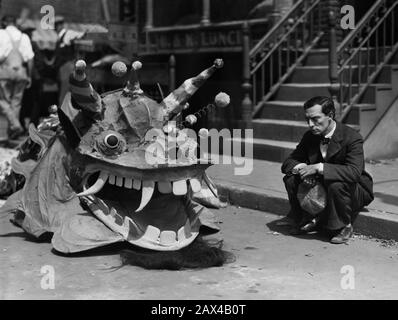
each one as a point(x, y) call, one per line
point(317, 121)
point(59, 26)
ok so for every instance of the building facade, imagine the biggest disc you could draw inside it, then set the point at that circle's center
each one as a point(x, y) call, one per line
point(277, 53)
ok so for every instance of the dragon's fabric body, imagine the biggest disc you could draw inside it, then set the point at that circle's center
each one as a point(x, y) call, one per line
point(88, 178)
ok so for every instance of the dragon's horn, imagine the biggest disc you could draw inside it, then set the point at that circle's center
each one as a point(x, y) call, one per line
point(83, 93)
point(174, 103)
point(133, 85)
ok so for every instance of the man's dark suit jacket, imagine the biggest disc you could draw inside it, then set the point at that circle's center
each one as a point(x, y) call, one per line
point(344, 159)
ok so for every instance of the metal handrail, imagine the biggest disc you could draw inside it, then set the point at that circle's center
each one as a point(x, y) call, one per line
point(358, 28)
point(289, 49)
point(275, 29)
point(282, 40)
point(359, 42)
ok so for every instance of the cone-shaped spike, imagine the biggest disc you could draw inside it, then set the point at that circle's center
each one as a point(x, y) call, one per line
point(134, 85)
point(82, 91)
point(174, 103)
point(80, 70)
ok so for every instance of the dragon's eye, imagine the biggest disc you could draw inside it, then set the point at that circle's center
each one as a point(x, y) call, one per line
point(110, 143)
point(111, 140)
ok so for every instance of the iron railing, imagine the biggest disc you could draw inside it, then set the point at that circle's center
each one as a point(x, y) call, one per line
point(364, 52)
point(274, 58)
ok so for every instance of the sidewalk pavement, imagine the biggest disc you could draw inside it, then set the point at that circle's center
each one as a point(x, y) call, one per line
point(263, 189)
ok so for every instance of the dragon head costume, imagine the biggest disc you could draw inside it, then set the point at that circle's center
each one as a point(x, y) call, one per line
point(114, 167)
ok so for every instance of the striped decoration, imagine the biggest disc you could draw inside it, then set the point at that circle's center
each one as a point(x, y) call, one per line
point(84, 95)
point(174, 103)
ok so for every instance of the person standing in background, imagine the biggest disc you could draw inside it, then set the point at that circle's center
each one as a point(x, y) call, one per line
point(65, 55)
point(16, 64)
point(30, 98)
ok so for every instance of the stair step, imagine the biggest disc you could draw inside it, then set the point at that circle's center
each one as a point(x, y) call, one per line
point(283, 130)
point(266, 149)
point(301, 91)
point(305, 91)
point(320, 57)
point(270, 149)
point(354, 117)
point(276, 129)
point(280, 122)
point(293, 111)
point(307, 74)
point(283, 110)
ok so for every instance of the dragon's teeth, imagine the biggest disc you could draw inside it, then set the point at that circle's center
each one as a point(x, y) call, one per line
point(137, 184)
point(119, 181)
point(112, 179)
point(128, 183)
point(195, 185)
point(180, 188)
point(147, 192)
point(96, 187)
point(165, 187)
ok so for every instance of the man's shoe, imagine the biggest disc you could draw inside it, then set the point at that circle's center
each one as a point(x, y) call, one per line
point(344, 235)
point(295, 231)
point(309, 227)
point(285, 221)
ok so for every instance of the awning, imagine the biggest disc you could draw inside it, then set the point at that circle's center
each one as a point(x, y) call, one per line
point(87, 27)
point(47, 39)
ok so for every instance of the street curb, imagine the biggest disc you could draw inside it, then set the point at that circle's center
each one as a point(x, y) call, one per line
point(377, 224)
point(249, 197)
point(370, 222)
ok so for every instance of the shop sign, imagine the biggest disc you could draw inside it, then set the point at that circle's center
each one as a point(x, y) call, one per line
point(203, 39)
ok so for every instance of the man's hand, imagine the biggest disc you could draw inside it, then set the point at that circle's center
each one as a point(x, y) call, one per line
point(297, 167)
point(310, 181)
point(309, 170)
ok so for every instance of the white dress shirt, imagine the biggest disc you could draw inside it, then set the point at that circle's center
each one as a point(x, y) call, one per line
point(25, 46)
point(323, 148)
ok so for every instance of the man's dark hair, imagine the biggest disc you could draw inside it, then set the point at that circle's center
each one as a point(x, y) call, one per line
point(8, 20)
point(326, 103)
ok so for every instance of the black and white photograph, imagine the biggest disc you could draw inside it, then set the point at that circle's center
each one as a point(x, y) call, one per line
point(196, 156)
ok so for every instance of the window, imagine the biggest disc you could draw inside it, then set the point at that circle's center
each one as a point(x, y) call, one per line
point(128, 11)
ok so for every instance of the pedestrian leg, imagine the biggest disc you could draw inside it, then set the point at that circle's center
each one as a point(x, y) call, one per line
point(16, 97)
point(6, 91)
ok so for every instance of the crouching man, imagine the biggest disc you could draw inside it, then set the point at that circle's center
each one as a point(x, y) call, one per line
point(330, 153)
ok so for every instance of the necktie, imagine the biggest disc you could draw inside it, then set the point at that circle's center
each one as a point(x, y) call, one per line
point(325, 140)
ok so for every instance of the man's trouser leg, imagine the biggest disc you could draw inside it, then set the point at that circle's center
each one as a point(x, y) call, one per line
point(291, 184)
point(344, 201)
point(6, 91)
point(16, 98)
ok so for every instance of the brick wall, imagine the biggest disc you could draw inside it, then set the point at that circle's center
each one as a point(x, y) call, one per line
point(72, 10)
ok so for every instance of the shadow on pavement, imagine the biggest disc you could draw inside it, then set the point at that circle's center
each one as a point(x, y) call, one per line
point(285, 230)
point(46, 237)
point(387, 198)
point(108, 250)
point(20, 234)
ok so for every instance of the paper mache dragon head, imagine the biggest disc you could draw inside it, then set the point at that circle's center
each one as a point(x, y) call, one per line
point(115, 167)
